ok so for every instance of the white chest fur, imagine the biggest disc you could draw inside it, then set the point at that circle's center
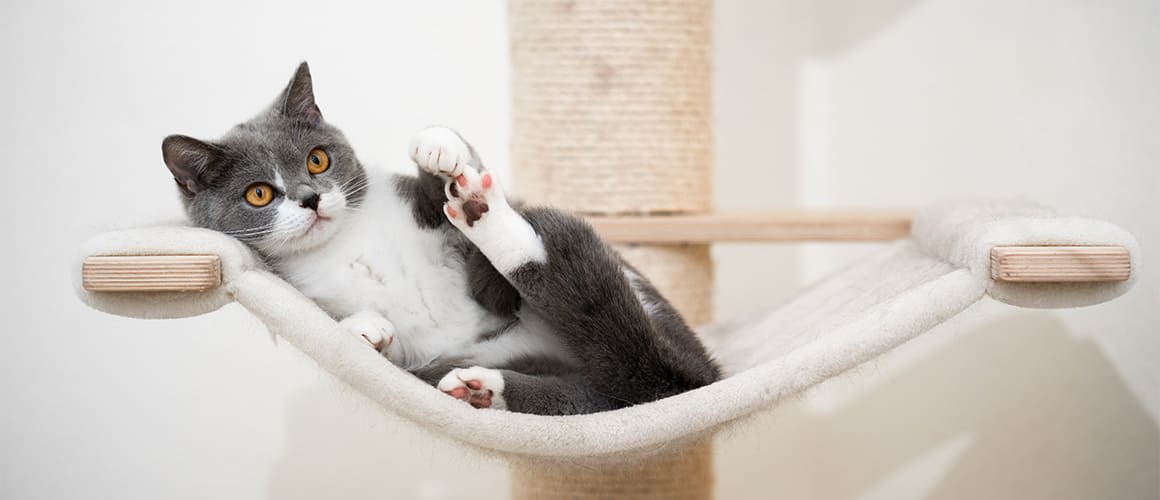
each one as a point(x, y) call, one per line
point(381, 261)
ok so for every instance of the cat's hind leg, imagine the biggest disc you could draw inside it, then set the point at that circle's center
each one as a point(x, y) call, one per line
point(540, 394)
point(479, 386)
point(634, 347)
point(477, 206)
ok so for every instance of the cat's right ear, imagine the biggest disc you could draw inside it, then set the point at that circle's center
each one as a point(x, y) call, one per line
point(193, 163)
point(297, 101)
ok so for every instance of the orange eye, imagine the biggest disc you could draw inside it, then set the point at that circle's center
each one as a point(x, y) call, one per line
point(260, 194)
point(317, 161)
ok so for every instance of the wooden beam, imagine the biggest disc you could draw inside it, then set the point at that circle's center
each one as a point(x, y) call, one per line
point(757, 226)
point(151, 273)
point(1060, 264)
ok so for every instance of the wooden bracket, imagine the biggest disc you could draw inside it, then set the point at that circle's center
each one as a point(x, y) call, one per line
point(151, 273)
point(1060, 264)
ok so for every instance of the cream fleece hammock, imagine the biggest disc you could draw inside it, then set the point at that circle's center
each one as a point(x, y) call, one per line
point(839, 323)
point(634, 78)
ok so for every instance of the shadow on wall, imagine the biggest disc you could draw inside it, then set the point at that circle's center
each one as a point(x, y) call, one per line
point(758, 117)
point(837, 25)
point(1016, 409)
point(341, 445)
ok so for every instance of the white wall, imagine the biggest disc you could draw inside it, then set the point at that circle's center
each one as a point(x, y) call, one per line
point(99, 406)
point(885, 103)
point(898, 103)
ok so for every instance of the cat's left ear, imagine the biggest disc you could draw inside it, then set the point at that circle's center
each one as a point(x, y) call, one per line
point(297, 101)
point(193, 163)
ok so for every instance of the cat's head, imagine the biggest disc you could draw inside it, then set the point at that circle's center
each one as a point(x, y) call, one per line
point(283, 182)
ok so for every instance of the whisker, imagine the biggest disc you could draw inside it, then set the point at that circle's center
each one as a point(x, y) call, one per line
point(356, 184)
point(251, 231)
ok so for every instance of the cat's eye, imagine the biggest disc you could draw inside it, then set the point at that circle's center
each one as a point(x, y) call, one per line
point(317, 161)
point(260, 194)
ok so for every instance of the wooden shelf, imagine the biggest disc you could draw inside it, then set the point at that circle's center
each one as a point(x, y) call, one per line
point(757, 226)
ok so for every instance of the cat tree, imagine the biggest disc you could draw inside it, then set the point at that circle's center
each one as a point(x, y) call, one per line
point(612, 115)
point(634, 78)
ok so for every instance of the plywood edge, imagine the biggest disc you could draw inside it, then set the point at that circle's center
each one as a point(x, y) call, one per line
point(1060, 264)
point(151, 273)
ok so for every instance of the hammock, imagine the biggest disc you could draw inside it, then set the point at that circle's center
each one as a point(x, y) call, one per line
point(954, 257)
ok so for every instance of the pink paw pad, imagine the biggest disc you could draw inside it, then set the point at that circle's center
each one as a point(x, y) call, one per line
point(479, 387)
point(466, 196)
point(473, 393)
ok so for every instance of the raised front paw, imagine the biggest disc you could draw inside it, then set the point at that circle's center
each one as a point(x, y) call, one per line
point(479, 386)
point(440, 151)
point(372, 327)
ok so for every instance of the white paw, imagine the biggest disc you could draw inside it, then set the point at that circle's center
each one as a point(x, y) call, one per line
point(440, 151)
point(372, 327)
point(470, 196)
point(479, 386)
point(477, 206)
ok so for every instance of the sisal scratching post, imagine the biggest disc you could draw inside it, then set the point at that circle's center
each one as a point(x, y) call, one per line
point(611, 116)
point(680, 475)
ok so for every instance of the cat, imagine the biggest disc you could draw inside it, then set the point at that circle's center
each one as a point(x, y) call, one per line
point(497, 304)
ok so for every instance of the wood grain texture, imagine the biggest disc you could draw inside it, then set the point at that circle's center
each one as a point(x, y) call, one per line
point(151, 273)
point(1060, 264)
point(759, 226)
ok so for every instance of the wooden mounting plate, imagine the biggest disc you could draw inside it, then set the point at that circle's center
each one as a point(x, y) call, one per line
point(1060, 264)
point(151, 273)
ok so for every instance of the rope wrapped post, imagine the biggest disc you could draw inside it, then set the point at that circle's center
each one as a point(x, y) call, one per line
point(612, 116)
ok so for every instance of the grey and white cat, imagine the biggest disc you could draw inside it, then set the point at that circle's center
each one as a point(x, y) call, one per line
point(501, 306)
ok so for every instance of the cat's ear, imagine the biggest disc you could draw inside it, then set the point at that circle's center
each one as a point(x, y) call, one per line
point(193, 163)
point(297, 101)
